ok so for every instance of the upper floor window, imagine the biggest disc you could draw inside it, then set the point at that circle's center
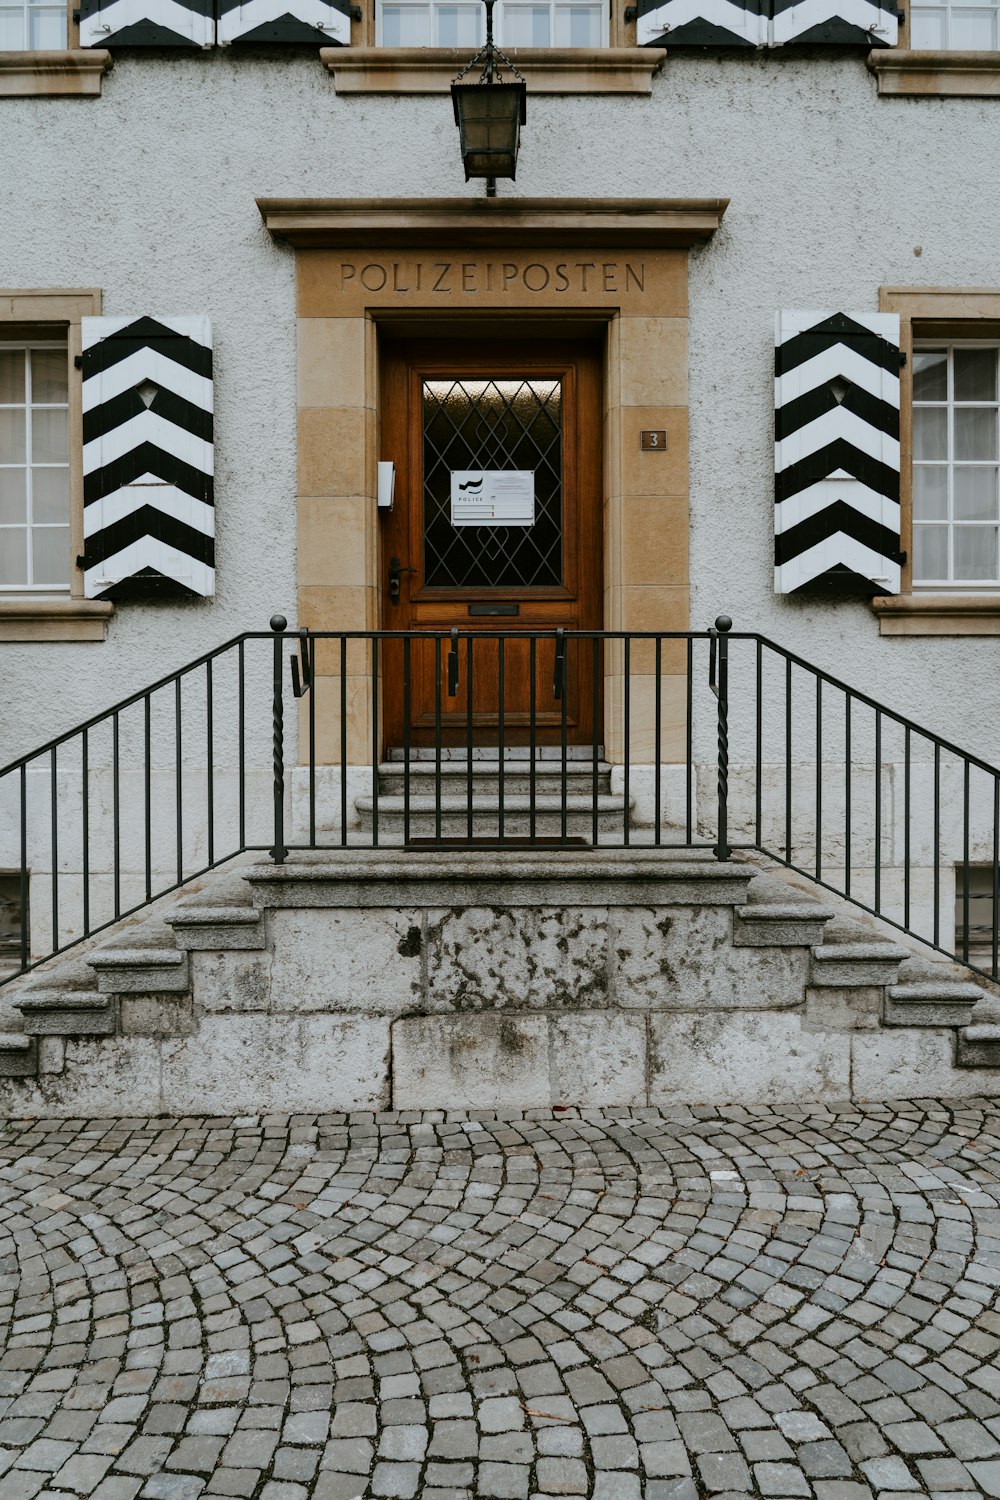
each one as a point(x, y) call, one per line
point(516, 23)
point(32, 25)
point(946, 27)
point(955, 465)
point(34, 466)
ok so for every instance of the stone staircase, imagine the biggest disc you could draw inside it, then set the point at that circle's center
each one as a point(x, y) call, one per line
point(490, 979)
point(423, 775)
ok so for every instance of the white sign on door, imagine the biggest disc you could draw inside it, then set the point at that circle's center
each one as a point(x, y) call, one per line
point(492, 497)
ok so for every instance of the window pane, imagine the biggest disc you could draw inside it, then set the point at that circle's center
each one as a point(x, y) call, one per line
point(49, 436)
point(972, 31)
point(11, 436)
point(11, 376)
point(930, 375)
point(13, 497)
point(47, 29)
point(930, 432)
point(12, 34)
point(49, 376)
point(930, 493)
point(927, 29)
point(50, 554)
point(975, 552)
point(526, 26)
point(14, 556)
point(930, 552)
point(975, 494)
point(975, 374)
point(578, 26)
point(458, 25)
point(50, 495)
point(406, 26)
point(975, 432)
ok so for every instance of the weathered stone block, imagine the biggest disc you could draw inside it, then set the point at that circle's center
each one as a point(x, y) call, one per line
point(156, 1015)
point(915, 1065)
point(252, 1063)
point(844, 964)
point(470, 1062)
point(18, 1055)
point(231, 981)
point(139, 970)
point(796, 923)
point(935, 1003)
point(346, 960)
point(597, 1060)
point(855, 1008)
point(978, 1046)
point(682, 958)
point(51, 1054)
point(102, 1076)
point(485, 958)
point(199, 928)
point(68, 1013)
point(759, 1058)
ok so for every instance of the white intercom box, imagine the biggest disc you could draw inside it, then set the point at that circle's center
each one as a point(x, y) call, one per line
point(386, 484)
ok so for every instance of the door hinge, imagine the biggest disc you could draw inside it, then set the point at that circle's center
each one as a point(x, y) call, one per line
point(631, 12)
point(78, 361)
point(902, 358)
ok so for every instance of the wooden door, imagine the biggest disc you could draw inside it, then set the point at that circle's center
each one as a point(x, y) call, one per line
point(507, 407)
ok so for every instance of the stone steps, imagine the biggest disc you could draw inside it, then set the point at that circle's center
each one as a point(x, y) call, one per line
point(548, 817)
point(501, 978)
point(486, 778)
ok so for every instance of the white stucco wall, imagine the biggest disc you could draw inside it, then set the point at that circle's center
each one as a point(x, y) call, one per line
point(148, 192)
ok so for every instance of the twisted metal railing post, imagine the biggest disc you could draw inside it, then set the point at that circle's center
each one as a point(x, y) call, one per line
point(278, 852)
point(719, 683)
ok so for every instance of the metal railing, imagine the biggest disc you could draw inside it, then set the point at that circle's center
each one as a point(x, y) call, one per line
point(705, 740)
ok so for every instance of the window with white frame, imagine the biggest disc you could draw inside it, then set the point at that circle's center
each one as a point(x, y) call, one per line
point(32, 25)
point(947, 27)
point(955, 465)
point(516, 23)
point(34, 467)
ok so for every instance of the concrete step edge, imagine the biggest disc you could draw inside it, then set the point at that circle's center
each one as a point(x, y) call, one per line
point(860, 953)
point(981, 1031)
point(16, 1041)
point(214, 916)
point(791, 911)
point(520, 802)
point(64, 1000)
point(931, 991)
point(136, 958)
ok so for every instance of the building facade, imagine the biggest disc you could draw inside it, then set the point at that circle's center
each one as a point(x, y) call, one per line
point(739, 315)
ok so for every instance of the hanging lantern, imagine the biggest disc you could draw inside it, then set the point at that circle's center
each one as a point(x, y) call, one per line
point(489, 114)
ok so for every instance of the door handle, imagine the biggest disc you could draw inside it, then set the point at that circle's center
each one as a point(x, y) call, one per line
point(396, 571)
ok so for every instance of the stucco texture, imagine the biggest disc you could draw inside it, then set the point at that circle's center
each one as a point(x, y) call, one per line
point(148, 192)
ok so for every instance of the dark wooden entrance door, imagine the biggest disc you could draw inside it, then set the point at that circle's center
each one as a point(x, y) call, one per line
point(499, 410)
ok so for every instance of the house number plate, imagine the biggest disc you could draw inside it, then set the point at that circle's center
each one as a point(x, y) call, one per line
point(653, 440)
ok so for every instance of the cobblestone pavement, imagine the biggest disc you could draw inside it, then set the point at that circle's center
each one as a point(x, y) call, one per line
point(780, 1302)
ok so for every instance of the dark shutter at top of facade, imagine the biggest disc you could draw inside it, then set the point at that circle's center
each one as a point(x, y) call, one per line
point(147, 23)
point(148, 488)
point(836, 429)
point(833, 23)
point(322, 23)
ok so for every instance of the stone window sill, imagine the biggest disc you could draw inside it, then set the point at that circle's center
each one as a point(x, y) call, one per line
point(430, 70)
point(53, 618)
point(938, 614)
point(968, 75)
point(74, 73)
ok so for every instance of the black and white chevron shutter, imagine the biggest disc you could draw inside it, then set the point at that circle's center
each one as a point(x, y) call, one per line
point(147, 23)
point(836, 429)
point(148, 490)
point(834, 23)
point(702, 23)
point(319, 22)
point(765, 23)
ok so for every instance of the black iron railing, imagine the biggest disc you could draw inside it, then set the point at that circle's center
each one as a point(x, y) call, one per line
point(703, 740)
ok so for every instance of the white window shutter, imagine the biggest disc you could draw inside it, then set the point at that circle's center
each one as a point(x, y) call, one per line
point(323, 23)
point(702, 23)
point(834, 23)
point(147, 23)
point(836, 421)
point(148, 462)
